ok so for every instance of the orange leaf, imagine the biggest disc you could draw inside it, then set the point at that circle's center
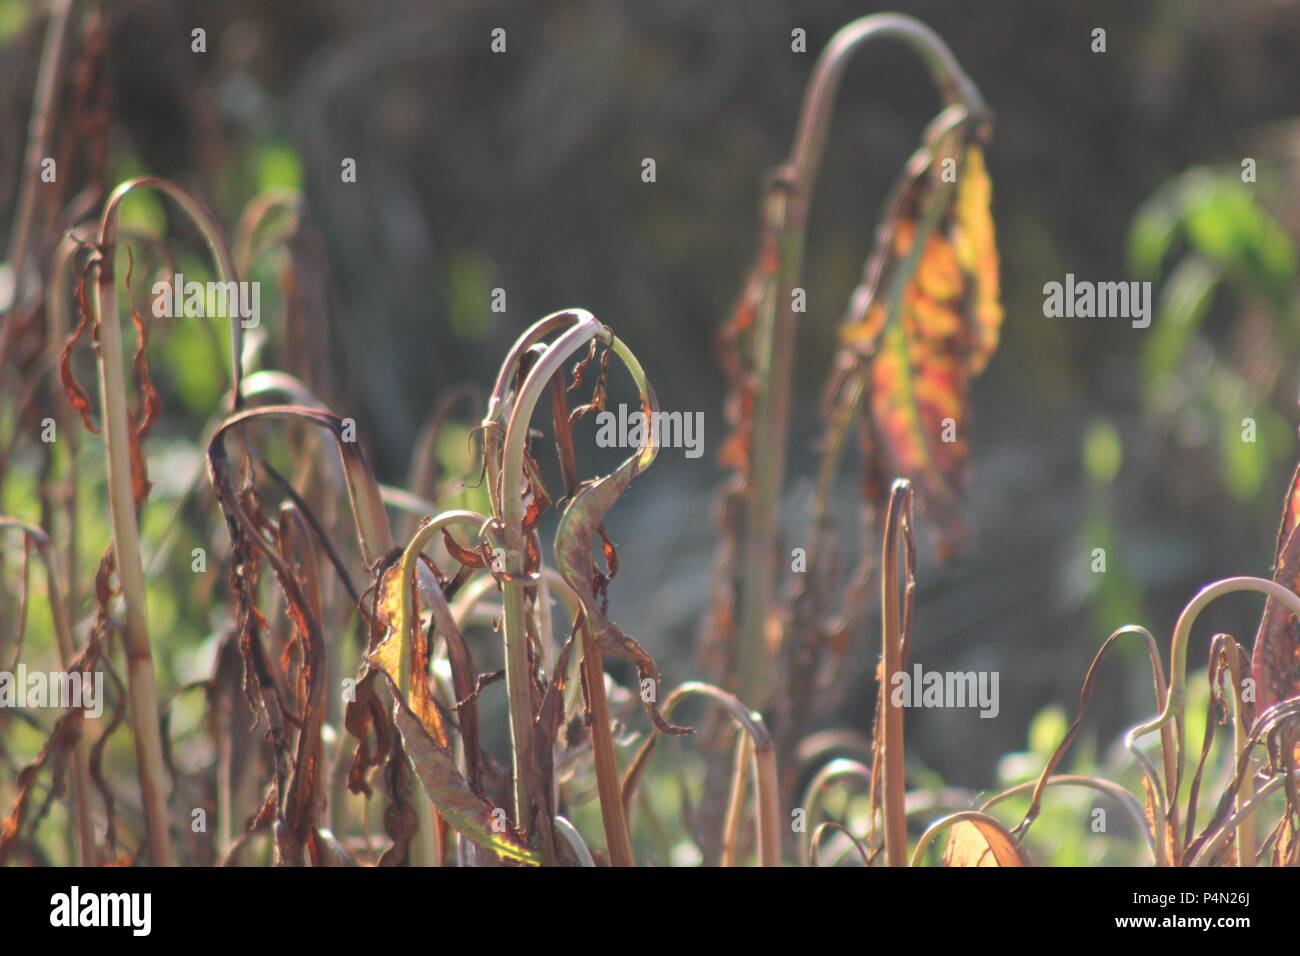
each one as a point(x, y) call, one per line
point(946, 330)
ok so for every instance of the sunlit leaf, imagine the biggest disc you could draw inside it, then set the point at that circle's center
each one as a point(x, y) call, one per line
point(948, 326)
point(980, 843)
point(468, 811)
point(388, 655)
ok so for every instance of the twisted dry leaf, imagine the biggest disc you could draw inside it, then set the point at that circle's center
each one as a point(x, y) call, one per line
point(977, 842)
point(466, 809)
point(573, 542)
point(947, 330)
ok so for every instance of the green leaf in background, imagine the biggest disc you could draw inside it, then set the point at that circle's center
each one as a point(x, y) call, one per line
point(469, 292)
point(1046, 731)
point(13, 17)
point(1154, 229)
point(1225, 223)
point(1103, 452)
point(1184, 299)
point(278, 167)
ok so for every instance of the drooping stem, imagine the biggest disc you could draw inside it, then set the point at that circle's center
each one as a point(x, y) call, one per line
point(1177, 695)
point(767, 819)
point(142, 693)
point(774, 338)
point(141, 690)
point(505, 460)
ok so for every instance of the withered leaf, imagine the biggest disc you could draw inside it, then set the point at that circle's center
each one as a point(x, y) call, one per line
point(1275, 661)
point(573, 542)
point(981, 843)
point(388, 614)
point(469, 812)
point(947, 329)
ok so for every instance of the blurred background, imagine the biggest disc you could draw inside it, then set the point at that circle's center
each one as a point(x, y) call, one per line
point(477, 171)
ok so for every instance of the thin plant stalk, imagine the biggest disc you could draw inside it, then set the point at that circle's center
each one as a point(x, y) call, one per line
point(1245, 842)
point(38, 147)
point(142, 693)
point(893, 784)
point(774, 339)
point(1085, 696)
point(141, 689)
point(67, 656)
point(505, 487)
point(736, 803)
point(1176, 699)
point(767, 813)
point(618, 839)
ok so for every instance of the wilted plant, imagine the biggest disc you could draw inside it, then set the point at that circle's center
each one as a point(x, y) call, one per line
point(922, 322)
point(368, 641)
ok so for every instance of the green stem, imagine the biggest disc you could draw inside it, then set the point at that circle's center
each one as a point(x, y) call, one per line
point(505, 482)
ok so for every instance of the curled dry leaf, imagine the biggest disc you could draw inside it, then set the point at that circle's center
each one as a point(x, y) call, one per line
point(979, 842)
point(388, 613)
point(947, 329)
point(573, 542)
point(468, 811)
point(424, 734)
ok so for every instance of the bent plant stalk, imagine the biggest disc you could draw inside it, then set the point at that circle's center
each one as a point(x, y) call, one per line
point(618, 839)
point(836, 769)
point(374, 534)
point(1176, 699)
point(1085, 696)
point(774, 342)
point(755, 743)
point(141, 687)
point(505, 463)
